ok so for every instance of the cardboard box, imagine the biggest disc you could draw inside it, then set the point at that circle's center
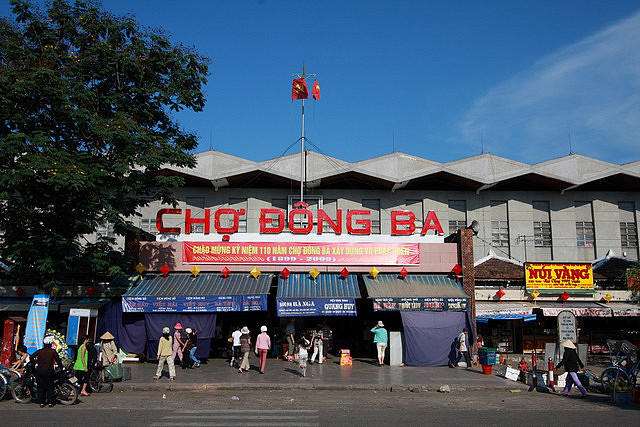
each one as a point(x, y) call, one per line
point(509, 373)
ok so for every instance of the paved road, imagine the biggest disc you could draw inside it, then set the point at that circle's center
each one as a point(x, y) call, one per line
point(319, 408)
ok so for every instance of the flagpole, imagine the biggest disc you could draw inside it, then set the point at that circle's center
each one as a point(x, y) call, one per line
point(303, 163)
point(303, 168)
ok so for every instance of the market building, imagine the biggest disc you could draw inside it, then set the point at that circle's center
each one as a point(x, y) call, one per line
point(395, 238)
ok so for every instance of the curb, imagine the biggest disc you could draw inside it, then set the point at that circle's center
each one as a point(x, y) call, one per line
point(414, 388)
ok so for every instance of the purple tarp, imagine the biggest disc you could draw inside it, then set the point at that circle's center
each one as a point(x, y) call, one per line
point(429, 336)
point(139, 333)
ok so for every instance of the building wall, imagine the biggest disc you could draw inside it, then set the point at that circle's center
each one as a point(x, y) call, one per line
point(564, 211)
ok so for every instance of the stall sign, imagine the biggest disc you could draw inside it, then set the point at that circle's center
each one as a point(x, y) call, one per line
point(36, 323)
point(567, 327)
point(558, 276)
point(291, 307)
point(194, 304)
point(342, 253)
point(419, 304)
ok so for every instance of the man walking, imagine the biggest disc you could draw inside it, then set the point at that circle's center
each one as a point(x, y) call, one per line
point(463, 347)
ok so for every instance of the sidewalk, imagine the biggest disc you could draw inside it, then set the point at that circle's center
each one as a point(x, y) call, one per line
point(279, 375)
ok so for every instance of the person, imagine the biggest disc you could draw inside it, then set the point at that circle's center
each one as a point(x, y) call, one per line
point(237, 353)
point(380, 339)
point(45, 358)
point(191, 345)
point(245, 348)
point(570, 361)
point(303, 354)
point(326, 334)
point(82, 365)
point(290, 332)
point(23, 359)
point(479, 343)
point(177, 344)
point(109, 349)
point(317, 344)
point(524, 368)
point(92, 354)
point(165, 354)
point(463, 348)
point(263, 345)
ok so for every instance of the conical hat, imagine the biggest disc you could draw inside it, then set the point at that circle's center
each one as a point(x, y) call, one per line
point(107, 336)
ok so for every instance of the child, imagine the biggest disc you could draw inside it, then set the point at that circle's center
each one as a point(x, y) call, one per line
point(303, 355)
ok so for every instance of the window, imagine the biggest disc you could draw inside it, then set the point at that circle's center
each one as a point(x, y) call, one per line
point(330, 206)
point(238, 204)
point(457, 215)
point(542, 234)
point(278, 204)
point(499, 223)
point(628, 235)
point(628, 227)
point(499, 233)
point(314, 202)
point(456, 225)
point(148, 225)
point(105, 230)
point(415, 206)
point(196, 204)
point(374, 206)
point(584, 234)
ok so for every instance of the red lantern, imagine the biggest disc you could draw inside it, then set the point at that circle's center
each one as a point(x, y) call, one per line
point(457, 269)
point(285, 273)
point(20, 291)
point(564, 296)
point(500, 294)
point(344, 272)
point(91, 290)
point(225, 272)
point(403, 273)
point(165, 270)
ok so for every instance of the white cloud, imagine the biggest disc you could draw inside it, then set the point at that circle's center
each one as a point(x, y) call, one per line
point(589, 90)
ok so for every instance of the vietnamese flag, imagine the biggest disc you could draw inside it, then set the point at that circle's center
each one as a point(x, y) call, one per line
point(299, 90)
point(315, 90)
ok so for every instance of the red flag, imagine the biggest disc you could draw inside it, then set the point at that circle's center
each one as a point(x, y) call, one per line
point(315, 90)
point(299, 90)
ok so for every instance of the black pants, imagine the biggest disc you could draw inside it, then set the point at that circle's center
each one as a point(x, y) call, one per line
point(83, 377)
point(467, 358)
point(44, 381)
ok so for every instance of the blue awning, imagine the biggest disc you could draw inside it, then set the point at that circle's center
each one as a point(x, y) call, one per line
point(485, 319)
point(493, 310)
point(207, 292)
point(326, 295)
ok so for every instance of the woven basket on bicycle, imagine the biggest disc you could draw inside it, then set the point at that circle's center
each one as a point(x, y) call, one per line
point(625, 347)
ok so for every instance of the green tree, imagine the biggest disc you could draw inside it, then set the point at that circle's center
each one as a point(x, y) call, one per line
point(633, 279)
point(86, 110)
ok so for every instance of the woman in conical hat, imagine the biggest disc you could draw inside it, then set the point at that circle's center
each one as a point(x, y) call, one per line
point(109, 349)
point(570, 361)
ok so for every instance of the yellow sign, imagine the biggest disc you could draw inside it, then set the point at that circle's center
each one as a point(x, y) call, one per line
point(559, 276)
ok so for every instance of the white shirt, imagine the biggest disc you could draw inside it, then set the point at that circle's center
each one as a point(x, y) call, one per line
point(462, 339)
point(236, 338)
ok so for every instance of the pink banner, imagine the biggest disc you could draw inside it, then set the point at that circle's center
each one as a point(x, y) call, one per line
point(356, 253)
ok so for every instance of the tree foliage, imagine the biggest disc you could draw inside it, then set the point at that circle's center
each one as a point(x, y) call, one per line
point(86, 104)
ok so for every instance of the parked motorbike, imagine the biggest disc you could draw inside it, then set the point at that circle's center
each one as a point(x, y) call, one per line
point(65, 386)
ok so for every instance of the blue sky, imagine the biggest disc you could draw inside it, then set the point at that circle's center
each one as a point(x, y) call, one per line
point(442, 80)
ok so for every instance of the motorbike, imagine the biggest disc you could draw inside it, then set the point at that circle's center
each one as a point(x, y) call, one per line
point(65, 386)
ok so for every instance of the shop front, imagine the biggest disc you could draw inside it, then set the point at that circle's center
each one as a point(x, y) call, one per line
point(433, 310)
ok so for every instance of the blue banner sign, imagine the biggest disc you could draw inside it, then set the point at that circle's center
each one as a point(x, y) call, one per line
point(36, 323)
point(420, 304)
point(204, 304)
point(291, 307)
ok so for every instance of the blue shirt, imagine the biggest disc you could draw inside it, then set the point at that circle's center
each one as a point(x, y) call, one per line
point(380, 335)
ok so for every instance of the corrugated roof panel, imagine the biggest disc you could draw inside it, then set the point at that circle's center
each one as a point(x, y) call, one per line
point(324, 286)
point(393, 286)
point(204, 284)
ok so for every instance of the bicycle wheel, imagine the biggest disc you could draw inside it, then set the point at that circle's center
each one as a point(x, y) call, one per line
point(66, 393)
point(20, 391)
point(101, 381)
point(3, 386)
point(611, 376)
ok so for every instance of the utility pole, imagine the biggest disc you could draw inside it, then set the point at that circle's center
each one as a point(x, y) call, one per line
point(524, 239)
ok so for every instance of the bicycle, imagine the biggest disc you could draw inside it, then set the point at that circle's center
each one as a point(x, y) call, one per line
point(625, 363)
point(100, 379)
